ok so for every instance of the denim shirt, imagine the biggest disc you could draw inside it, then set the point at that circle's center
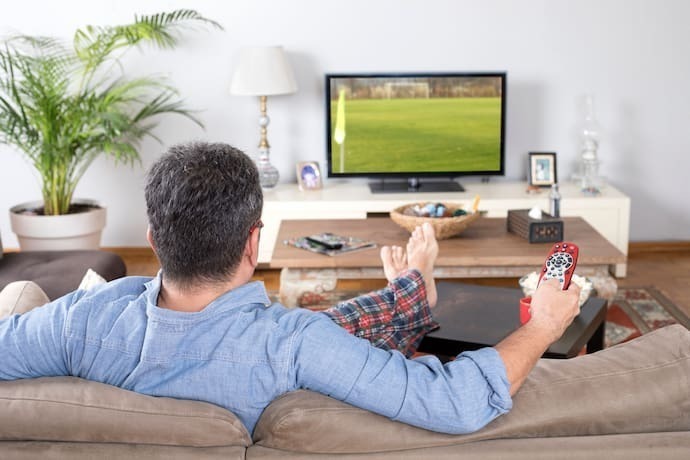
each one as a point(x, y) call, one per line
point(240, 352)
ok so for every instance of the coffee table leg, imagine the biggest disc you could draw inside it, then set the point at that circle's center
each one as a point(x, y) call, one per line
point(596, 342)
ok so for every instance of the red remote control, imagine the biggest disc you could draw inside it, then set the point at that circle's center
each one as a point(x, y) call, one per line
point(560, 264)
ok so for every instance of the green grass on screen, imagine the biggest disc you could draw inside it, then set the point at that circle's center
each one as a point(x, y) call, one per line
point(412, 135)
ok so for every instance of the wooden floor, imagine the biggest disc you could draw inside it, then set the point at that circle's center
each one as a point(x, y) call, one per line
point(666, 266)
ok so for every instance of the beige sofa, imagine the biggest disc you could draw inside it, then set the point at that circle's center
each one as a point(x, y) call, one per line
point(586, 407)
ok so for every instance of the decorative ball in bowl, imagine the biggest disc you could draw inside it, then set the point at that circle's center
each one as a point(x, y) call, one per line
point(528, 283)
point(448, 219)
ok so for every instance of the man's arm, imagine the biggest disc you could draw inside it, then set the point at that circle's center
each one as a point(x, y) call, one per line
point(552, 312)
point(461, 396)
point(33, 344)
point(394, 318)
point(457, 397)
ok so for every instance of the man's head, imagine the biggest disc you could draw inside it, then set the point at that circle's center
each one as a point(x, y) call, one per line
point(202, 201)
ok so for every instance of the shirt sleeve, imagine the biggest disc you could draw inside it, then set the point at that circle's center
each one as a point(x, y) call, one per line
point(396, 317)
point(460, 396)
point(33, 344)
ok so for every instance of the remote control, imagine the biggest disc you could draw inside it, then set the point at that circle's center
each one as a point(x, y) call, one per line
point(560, 264)
point(327, 240)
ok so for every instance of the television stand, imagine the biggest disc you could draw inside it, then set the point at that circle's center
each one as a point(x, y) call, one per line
point(413, 185)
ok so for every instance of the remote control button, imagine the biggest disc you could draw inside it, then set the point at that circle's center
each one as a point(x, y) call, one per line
point(560, 263)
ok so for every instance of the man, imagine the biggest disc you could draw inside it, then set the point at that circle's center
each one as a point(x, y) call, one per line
point(202, 330)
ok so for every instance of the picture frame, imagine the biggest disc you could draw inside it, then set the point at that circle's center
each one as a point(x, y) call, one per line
point(309, 175)
point(542, 169)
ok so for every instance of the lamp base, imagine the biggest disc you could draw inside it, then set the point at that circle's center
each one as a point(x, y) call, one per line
point(268, 174)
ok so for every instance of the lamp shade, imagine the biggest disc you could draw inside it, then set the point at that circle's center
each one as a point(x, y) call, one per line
point(263, 71)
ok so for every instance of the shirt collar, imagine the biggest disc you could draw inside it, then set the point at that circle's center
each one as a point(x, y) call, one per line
point(253, 292)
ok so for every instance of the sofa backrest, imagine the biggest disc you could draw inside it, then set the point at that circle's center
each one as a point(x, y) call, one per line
point(585, 396)
point(69, 409)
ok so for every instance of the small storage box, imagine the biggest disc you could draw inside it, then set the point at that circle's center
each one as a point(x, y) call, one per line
point(548, 229)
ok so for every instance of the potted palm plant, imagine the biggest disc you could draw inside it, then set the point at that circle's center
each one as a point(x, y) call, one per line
point(63, 106)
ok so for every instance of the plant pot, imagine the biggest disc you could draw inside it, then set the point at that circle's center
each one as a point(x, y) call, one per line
point(80, 230)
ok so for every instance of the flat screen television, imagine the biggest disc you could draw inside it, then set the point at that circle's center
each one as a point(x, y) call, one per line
point(399, 128)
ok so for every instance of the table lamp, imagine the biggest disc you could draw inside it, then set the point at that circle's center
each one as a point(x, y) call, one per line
point(263, 71)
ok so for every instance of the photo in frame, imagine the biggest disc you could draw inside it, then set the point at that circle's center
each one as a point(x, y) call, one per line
point(542, 169)
point(308, 175)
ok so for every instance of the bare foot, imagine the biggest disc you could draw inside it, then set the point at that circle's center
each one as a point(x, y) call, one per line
point(421, 253)
point(422, 250)
point(394, 261)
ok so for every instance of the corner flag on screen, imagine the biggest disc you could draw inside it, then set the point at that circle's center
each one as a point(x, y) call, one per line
point(339, 133)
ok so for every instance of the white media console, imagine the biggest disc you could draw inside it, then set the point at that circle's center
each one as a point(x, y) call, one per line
point(609, 212)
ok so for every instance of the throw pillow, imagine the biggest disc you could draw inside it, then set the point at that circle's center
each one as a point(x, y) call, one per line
point(91, 279)
point(21, 296)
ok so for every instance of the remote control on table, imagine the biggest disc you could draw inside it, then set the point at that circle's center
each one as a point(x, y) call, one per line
point(327, 240)
point(560, 264)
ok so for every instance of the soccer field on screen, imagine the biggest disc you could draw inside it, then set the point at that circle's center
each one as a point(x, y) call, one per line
point(412, 135)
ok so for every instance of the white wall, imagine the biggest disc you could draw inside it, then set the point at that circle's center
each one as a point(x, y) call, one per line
point(631, 54)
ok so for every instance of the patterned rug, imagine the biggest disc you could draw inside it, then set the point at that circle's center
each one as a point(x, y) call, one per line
point(633, 311)
point(636, 311)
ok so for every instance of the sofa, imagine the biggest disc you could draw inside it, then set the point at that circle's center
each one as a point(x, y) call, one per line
point(582, 408)
point(58, 272)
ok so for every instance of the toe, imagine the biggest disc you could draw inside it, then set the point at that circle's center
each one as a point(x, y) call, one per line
point(386, 255)
point(428, 231)
point(399, 258)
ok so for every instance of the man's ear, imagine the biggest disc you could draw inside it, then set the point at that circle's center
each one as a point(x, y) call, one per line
point(149, 238)
point(251, 249)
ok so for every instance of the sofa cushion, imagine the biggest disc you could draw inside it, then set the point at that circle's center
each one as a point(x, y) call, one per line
point(637, 387)
point(46, 450)
point(666, 446)
point(70, 409)
point(20, 297)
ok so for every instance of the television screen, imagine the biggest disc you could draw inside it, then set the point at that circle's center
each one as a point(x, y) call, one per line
point(415, 125)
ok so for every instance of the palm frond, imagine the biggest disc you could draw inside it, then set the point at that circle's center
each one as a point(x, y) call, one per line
point(62, 126)
point(95, 44)
point(178, 19)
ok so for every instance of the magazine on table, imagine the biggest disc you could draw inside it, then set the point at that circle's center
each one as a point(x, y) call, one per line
point(330, 244)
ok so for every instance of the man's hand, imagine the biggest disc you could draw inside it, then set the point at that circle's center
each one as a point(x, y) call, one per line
point(552, 312)
point(553, 309)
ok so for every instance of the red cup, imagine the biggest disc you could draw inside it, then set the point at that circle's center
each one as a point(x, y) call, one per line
point(525, 315)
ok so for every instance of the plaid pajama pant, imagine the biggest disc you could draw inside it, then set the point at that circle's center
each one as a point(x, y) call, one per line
point(394, 318)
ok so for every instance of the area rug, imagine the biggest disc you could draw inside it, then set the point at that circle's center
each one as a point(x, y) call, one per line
point(634, 311)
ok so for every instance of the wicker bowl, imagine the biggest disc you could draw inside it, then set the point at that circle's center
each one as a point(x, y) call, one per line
point(444, 227)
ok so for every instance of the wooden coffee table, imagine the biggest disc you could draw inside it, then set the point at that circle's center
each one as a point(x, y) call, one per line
point(473, 317)
point(485, 250)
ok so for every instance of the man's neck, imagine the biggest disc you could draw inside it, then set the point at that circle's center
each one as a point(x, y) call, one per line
point(195, 298)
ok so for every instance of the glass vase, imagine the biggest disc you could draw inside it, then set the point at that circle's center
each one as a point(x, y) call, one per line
point(268, 174)
point(590, 182)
